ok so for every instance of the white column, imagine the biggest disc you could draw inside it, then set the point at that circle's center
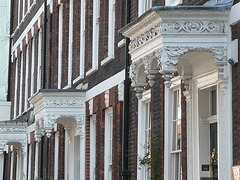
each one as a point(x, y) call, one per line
point(56, 155)
point(19, 164)
point(224, 131)
point(1, 164)
point(66, 157)
point(24, 152)
point(82, 156)
point(12, 157)
point(36, 161)
point(77, 158)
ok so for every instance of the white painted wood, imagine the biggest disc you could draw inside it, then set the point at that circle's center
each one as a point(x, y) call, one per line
point(60, 36)
point(92, 146)
point(105, 85)
point(235, 15)
point(39, 59)
point(19, 3)
point(173, 2)
point(33, 65)
point(108, 144)
point(143, 6)
point(82, 38)
point(21, 86)
point(15, 93)
point(111, 32)
point(141, 145)
point(26, 78)
point(96, 14)
point(70, 43)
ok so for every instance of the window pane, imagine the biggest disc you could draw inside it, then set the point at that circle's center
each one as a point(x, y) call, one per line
point(214, 102)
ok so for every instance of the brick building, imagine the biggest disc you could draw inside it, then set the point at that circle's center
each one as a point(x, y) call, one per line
point(83, 108)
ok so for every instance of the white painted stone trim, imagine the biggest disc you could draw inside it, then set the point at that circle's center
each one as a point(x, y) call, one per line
point(143, 6)
point(235, 15)
point(105, 85)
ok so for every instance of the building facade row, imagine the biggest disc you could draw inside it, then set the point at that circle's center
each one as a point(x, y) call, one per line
point(112, 89)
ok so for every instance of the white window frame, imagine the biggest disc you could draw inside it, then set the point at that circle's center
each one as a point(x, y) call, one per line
point(39, 59)
point(143, 172)
point(82, 42)
point(33, 64)
point(111, 32)
point(92, 146)
point(16, 87)
point(143, 6)
point(70, 43)
point(21, 85)
point(173, 2)
point(108, 143)
point(60, 36)
point(26, 78)
point(19, 9)
point(168, 129)
point(96, 15)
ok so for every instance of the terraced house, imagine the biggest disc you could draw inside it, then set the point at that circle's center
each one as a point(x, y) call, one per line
point(114, 89)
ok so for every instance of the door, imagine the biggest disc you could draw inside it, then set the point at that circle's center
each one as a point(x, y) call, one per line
point(213, 150)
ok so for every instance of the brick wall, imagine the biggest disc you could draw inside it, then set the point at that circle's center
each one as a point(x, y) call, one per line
point(194, 2)
point(184, 133)
point(236, 100)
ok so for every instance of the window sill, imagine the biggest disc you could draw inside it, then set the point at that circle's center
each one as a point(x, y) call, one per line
point(107, 60)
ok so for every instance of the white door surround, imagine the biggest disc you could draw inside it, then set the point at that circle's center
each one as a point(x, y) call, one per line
point(67, 107)
point(165, 38)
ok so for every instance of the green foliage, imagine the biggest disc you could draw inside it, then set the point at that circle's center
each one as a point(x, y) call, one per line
point(152, 158)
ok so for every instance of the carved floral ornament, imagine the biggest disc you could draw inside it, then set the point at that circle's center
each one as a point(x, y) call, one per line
point(168, 58)
point(180, 27)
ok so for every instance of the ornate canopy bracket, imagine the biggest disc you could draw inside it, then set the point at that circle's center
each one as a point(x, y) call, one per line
point(66, 107)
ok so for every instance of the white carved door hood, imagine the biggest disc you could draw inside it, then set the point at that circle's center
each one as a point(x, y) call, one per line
point(59, 106)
